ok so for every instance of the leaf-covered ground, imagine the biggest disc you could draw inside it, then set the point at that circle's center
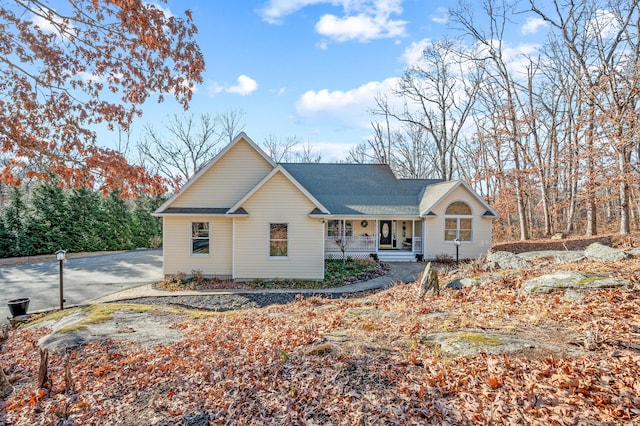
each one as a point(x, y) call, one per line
point(358, 361)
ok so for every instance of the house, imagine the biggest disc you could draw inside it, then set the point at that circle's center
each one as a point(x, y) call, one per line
point(242, 216)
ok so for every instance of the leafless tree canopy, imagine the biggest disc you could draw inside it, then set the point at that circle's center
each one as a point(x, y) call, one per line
point(549, 135)
point(187, 142)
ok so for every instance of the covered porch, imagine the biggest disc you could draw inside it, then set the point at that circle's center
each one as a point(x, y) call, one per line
point(398, 239)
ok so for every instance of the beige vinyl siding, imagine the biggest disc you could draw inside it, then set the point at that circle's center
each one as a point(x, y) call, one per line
point(177, 246)
point(278, 201)
point(481, 234)
point(228, 180)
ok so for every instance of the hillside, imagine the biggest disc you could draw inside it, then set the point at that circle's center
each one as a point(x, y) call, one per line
point(384, 358)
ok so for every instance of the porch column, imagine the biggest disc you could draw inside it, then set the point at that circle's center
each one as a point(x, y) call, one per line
point(377, 236)
point(413, 236)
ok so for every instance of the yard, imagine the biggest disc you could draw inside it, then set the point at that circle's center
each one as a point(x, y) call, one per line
point(373, 360)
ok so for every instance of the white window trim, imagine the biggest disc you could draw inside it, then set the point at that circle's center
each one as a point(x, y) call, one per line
point(200, 238)
point(457, 217)
point(269, 241)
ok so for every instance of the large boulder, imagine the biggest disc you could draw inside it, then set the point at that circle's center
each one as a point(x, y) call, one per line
point(570, 279)
point(460, 283)
point(505, 260)
point(601, 253)
point(561, 256)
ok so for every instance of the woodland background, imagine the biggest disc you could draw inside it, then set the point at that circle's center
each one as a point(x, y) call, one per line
point(550, 139)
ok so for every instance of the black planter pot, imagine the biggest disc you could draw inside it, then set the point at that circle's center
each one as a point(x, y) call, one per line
point(19, 307)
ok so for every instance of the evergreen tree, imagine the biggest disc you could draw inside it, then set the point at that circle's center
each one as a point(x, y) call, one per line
point(118, 219)
point(6, 240)
point(49, 225)
point(147, 230)
point(14, 215)
point(88, 219)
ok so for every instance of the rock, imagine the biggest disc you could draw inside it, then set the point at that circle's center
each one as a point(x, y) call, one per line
point(561, 256)
point(455, 285)
point(634, 252)
point(570, 256)
point(549, 283)
point(335, 336)
point(429, 282)
point(601, 253)
point(505, 260)
point(557, 236)
point(322, 349)
point(466, 282)
point(471, 343)
point(198, 420)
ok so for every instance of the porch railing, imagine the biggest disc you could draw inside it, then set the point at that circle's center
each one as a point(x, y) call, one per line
point(416, 245)
point(363, 244)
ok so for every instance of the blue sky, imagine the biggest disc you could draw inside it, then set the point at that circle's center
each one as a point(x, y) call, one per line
point(306, 68)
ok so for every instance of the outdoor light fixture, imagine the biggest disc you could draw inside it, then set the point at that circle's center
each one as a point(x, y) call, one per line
point(457, 242)
point(60, 256)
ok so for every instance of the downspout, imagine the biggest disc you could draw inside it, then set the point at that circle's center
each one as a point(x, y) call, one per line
point(233, 248)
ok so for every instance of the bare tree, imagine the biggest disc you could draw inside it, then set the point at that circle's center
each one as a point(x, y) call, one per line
point(307, 154)
point(439, 93)
point(605, 52)
point(499, 74)
point(186, 143)
point(230, 123)
point(280, 150)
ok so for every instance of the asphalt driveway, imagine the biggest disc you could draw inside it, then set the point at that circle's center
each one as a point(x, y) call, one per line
point(85, 279)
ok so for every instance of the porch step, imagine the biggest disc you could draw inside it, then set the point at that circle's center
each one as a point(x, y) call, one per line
point(396, 256)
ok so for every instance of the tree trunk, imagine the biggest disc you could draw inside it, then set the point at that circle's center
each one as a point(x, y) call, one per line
point(625, 227)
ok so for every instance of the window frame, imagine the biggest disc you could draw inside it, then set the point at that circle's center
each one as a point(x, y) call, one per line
point(277, 240)
point(195, 238)
point(458, 219)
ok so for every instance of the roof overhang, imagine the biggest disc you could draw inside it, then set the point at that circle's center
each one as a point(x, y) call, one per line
point(193, 211)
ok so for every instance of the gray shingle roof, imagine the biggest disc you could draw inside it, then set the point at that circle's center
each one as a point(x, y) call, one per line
point(365, 189)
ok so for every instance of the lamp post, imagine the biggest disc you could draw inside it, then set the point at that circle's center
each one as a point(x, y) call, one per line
point(60, 256)
point(457, 242)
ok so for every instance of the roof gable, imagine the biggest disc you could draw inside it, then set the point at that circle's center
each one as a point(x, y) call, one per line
point(276, 170)
point(215, 185)
point(434, 194)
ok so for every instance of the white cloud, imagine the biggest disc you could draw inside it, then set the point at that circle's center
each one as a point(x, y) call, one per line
point(245, 85)
point(276, 10)
point(350, 108)
point(532, 25)
point(361, 27)
point(413, 54)
point(360, 20)
point(442, 17)
point(605, 25)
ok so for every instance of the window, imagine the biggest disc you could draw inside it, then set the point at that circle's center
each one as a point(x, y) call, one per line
point(458, 222)
point(199, 237)
point(336, 228)
point(278, 240)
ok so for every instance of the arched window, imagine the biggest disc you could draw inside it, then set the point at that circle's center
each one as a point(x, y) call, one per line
point(458, 222)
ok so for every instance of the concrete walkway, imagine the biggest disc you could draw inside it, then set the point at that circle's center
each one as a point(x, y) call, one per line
point(401, 272)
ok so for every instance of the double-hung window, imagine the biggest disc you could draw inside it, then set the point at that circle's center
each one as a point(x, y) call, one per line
point(458, 222)
point(278, 240)
point(199, 237)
